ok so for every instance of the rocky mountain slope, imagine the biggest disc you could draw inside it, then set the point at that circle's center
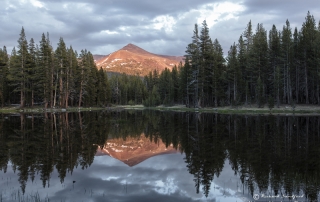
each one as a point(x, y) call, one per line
point(98, 57)
point(133, 60)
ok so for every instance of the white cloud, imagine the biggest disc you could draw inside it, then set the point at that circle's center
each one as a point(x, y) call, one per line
point(123, 28)
point(165, 22)
point(65, 6)
point(213, 13)
point(21, 2)
point(109, 32)
point(36, 3)
point(85, 7)
point(10, 6)
point(168, 186)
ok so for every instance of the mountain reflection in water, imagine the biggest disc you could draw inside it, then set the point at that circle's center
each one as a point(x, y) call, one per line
point(133, 151)
point(208, 157)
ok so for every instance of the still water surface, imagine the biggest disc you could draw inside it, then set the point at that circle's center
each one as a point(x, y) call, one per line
point(159, 156)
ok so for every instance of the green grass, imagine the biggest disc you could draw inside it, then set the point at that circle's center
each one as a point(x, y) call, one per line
point(42, 110)
point(8, 109)
point(240, 110)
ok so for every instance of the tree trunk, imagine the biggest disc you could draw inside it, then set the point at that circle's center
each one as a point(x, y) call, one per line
point(306, 79)
point(22, 95)
point(80, 95)
point(234, 89)
point(50, 87)
point(284, 86)
point(297, 84)
point(61, 90)
point(32, 98)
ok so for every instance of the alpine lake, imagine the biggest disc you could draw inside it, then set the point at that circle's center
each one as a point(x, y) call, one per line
point(149, 155)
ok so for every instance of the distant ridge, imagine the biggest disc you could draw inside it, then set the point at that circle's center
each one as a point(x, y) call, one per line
point(134, 60)
point(98, 57)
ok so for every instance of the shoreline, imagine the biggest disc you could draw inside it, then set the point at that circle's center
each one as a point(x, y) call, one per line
point(283, 109)
point(247, 110)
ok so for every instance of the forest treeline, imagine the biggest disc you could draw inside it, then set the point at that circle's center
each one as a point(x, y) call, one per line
point(37, 74)
point(281, 66)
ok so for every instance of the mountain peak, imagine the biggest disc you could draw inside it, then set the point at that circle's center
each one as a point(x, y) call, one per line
point(134, 48)
point(131, 45)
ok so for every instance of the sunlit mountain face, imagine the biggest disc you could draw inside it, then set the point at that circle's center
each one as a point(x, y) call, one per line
point(158, 156)
point(134, 60)
point(134, 150)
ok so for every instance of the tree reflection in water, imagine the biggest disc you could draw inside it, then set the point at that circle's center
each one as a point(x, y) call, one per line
point(270, 154)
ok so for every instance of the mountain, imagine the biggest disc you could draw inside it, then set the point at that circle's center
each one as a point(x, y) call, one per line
point(133, 151)
point(134, 60)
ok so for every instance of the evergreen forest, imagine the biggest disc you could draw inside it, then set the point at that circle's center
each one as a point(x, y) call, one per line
point(279, 66)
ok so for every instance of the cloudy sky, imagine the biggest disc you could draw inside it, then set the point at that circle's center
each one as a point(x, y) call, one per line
point(158, 26)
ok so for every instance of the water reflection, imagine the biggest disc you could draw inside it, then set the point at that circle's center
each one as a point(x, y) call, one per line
point(231, 155)
point(134, 150)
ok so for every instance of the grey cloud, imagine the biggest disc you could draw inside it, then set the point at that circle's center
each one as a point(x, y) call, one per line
point(141, 7)
point(82, 27)
point(293, 10)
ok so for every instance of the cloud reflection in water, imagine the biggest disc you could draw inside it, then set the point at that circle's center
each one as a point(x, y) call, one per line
point(160, 178)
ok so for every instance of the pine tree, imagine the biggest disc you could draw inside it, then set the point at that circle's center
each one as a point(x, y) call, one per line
point(259, 52)
point(189, 85)
point(71, 75)
point(115, 89)
point(18, 74)
point(206, 65)
point(83, 77)
point(103, 91)
point(297, 64)
point(274, 61)
point(175, 84)
point(166, 87)
point(308, 33)
point(193, 53)
point(91, 77)
point(217, 71)
point(44, 72)
point(31, 67)
point(260, 99)
point(286, 48)
point(270, 102)
point(317, 63)
point(4, 63)
point(184, 75)
point(62, 68)
point(248, 73)
point(234, 75)
point(13, 75)
point(241, 58)
point(277, 83)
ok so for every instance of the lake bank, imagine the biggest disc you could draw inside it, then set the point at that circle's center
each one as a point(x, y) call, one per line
point(283, 109)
